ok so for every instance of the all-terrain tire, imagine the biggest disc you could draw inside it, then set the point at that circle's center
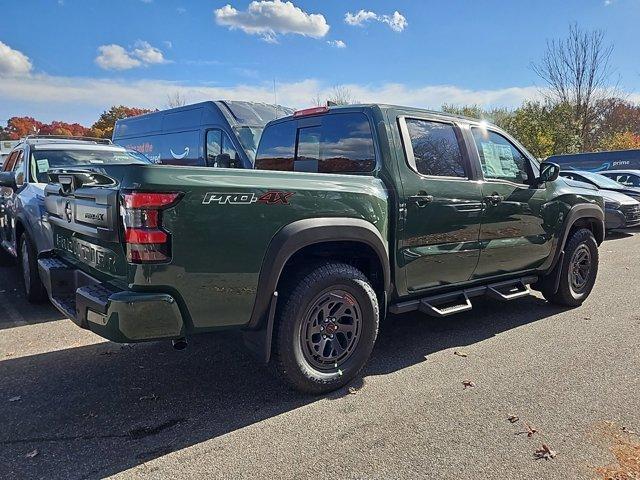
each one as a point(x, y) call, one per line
point(571, 293)
point(28, 267)
point(324, 288)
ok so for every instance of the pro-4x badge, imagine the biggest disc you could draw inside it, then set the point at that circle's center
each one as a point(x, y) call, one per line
point(268, 198)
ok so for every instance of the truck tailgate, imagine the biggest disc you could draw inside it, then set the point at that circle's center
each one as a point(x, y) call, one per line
point(83, 211)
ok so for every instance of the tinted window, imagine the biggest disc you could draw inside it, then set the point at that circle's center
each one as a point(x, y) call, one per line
point(277, 147)
point(220, 150)
point(340, 143)
point(18, 168)
point(435, 148)
point(500, 159)
point(8, 164)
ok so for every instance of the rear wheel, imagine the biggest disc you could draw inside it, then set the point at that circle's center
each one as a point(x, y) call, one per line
point(33, 287)
point(578, 271)
point(326, 327)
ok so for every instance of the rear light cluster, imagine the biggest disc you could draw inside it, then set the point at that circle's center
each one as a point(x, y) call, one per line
point(145, 239)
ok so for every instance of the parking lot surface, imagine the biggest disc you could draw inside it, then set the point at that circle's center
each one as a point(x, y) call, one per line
point(75, 406)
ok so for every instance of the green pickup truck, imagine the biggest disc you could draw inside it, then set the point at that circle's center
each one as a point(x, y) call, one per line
point(350, 213)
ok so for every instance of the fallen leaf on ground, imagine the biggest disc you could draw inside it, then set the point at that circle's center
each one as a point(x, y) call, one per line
point(468, 383)
point(626, 430)
point(530, 430)
point(460, 354)
point(32, 454)
point(545, 452)
point(153, 397)
point(9, 354)
point(513, 418)
point(15, 399)
point(353, 390)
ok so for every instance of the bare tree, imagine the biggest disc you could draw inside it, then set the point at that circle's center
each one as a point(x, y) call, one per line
point(176, 99)
point(577, 72)
point(338, 95)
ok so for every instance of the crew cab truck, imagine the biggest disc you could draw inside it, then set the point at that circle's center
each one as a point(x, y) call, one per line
point(351, 212)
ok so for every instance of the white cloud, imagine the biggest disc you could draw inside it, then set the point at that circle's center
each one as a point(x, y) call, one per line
point(397, 22)
point(84, 98)
point(269, 18)
point(116, 57)
point(337, 43)
point(148, 54)
point(360, 18)
point(13, 62)
point(181, 10)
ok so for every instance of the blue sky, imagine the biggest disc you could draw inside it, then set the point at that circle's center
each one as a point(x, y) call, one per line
point(71, 59)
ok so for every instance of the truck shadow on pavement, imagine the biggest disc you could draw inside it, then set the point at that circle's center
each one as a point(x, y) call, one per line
point(15, 311)
point(96, 410)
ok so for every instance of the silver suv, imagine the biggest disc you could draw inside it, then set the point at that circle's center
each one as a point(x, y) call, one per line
point(24, 230)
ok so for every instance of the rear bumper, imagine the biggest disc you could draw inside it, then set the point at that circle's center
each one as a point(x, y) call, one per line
point(117, 315)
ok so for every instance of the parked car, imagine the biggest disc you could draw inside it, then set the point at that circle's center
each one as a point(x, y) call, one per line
point(628, 178)
point(620, 210)
point(24, 229)
point(351, 212)
point(213, 134)
point(598, 161)
point(604, 184)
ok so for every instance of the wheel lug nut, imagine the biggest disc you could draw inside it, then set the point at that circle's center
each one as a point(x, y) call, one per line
point(330, 336)
point(321, 328)
point(324, 336)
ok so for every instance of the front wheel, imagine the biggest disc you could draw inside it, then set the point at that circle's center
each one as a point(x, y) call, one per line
point(326, 327)
point(33, 287)
point(578, 271)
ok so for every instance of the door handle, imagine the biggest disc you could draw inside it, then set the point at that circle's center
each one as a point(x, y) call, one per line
point(493, 200)
point(421, 200)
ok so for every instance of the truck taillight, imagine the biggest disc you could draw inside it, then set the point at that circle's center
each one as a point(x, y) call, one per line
point(145, 239)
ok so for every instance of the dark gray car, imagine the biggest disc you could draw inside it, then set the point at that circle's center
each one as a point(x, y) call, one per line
point(24, 229)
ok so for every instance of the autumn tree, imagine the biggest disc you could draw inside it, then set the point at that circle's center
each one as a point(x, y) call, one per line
point(18, 127)
point(176, 99)
point(577, 73)
point(103, 127)
point(338, 95)
point(63, 128)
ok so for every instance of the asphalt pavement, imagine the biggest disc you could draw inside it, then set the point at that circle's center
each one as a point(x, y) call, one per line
point(75, 406)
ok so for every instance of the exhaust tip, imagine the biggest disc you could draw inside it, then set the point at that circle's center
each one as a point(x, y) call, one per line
point(179, 343)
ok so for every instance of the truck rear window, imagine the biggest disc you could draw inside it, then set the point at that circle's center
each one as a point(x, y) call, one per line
point(335, 143)
point(43, 160)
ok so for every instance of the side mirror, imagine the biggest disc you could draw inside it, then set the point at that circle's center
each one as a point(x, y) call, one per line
point(8, 180)
point(549, 172)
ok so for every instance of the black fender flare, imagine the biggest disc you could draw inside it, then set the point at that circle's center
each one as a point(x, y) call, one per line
point(289, 240)
point(576, 212)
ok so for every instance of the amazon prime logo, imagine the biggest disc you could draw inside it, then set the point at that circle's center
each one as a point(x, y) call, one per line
point(180, 156)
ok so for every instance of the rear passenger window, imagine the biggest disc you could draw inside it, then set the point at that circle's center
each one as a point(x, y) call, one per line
point(436, 150)
point(339, 143)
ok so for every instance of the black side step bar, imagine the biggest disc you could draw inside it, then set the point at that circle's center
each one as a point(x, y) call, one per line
point(459, 301)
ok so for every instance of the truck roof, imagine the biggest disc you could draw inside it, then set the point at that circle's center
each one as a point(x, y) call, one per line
point(402, 108)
